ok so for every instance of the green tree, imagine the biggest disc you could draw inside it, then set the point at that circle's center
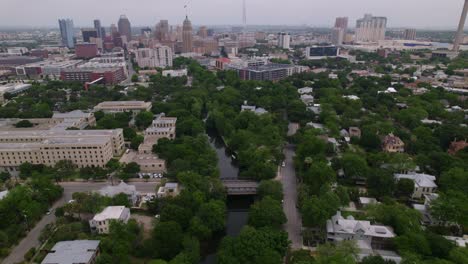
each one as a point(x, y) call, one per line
point(267, 212)
point(136, 141)
point(318, 175)
point(167, 240)
point(131, 167)
point(271, 188)
point(23, 123)
point(143, 119)
point(405, 187)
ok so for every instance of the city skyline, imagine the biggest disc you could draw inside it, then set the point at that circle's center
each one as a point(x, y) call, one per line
point(416, 14)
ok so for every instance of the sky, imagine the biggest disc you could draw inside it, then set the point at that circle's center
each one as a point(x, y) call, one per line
point(437, 14)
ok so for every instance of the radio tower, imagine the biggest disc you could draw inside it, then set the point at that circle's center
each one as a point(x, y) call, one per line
point(244, 14)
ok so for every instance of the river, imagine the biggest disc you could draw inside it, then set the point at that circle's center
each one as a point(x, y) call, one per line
point(237, 206)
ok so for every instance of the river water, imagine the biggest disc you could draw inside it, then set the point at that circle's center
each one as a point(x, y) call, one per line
point(237, 206)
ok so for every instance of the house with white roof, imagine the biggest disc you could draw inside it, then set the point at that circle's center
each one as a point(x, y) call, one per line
point(307, 99)
point(305, 90)
point(73, 252)
point(253, 108)
point(169, 189)
point(122, 187)
point(423, 183)
point(370, 239)
point(3, 194)
point(101, 221)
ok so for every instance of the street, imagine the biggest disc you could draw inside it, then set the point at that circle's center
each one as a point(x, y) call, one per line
point(288, 178)
point(32, 238)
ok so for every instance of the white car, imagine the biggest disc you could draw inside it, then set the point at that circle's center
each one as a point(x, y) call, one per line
point(283, 164)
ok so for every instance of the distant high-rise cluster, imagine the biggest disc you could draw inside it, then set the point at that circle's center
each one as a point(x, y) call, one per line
point(410, 34)
point(187, 38)
point(162, 30)
point(125, 28)
point(284, 40)
point(101, 32)
point(339, 31)
point(67, 32)
point(370, 28)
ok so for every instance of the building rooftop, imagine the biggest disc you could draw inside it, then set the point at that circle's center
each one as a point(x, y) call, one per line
point(72, 252)
point(112, 191)
point(420, 179)
point(72, 114)
point(339, 224)
point(110, 212)
point(269, 67)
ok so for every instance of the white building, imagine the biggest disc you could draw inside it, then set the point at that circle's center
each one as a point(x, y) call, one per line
point(73, 252)
point(129, 190)
point(13, 88)
point(284, 40)
point(370, 28)
point(370, 239)
point(101, 221)
point(307, 99)
point(305, 90)
point(123, 106)
point(424, 184)
point(174, 73)
point(159, 56)
point(169, 189)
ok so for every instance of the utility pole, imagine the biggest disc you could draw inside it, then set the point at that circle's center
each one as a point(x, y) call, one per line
point(461, 25)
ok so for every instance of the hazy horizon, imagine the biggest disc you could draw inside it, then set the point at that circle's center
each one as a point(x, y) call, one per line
point(419, 14)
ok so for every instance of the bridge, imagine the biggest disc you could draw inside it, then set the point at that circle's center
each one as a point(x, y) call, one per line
point(240, 187)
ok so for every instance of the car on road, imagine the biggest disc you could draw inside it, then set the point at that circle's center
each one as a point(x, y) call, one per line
point(49, 211)
point(283, 164)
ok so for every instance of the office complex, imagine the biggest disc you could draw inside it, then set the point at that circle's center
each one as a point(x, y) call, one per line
point(125, 29)
point(321, 52)
point(101, 32)
point(85, 148)
point(108, 76)
point(410, 34)
point(284, 40)
point(88, 33)
point(269, 72)
point(370, 28)
point(162, 30)
point(187, 37)
point(159, 56)
point(86, 50)
point(67, 32)
point(341, 22)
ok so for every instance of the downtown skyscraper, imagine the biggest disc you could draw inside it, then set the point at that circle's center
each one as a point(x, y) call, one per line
point(187, 38)
point(67, 32)
point(125, 28)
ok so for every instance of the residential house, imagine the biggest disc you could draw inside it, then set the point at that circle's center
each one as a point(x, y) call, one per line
point(305, 90)
point(169, 189)
point(424, 184)
point(392, 144)
point(122, 187)
point(366, 201)
point(307, 99)
point(456, 146)
point(425, 210)
point(101, 221)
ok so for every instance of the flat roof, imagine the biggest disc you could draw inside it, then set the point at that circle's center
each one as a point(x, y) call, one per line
point(110, 212)
point(71, 252)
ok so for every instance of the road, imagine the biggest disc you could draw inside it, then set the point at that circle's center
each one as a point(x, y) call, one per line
point(288, 178)
point(32, 238)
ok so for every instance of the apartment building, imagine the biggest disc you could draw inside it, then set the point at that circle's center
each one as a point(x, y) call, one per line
point(123, 106)
point(101, 221)
point(370, 28)
point(159, 56)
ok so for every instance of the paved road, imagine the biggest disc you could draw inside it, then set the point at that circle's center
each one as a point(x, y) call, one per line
point(288, 177)
point(32, 239)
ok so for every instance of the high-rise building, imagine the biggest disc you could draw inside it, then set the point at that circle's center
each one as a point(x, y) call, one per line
point(370, 28)
point(337, 36)
point(410, 34)
point(100, 30)
point(66, 32)
point(339, 31)
point(89, 33)
point(187, 37)
point(125, 29)
point(162, 30)
point(203, 32)
point(284, 40)
point(341, 22)
point(159, 56)
point(113, 29)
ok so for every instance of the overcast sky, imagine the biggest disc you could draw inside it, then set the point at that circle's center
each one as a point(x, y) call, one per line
point(400, 13)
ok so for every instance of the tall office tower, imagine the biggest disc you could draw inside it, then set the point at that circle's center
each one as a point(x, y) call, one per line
point(113, 29)
point(341, 22)
point(89, 33)
point(187, 37)
point(337, 36)
point(284, 40)
point(125, 29)
point(370, 28)
point(203, 32)
point(162, 30)
point(410, 34)
point(98, 28)
point(66, 32)
point(461, 25)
